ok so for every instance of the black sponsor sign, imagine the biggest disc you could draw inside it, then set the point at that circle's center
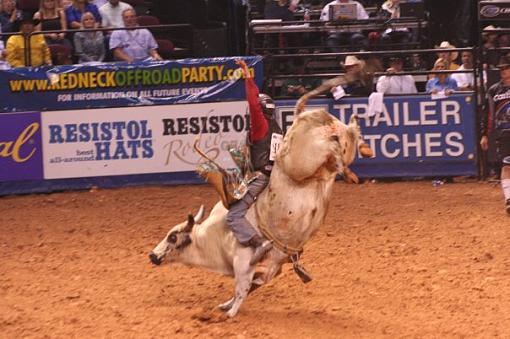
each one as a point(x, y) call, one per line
point(494, 10)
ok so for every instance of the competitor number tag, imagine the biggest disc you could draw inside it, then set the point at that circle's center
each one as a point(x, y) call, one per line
point(276, 141)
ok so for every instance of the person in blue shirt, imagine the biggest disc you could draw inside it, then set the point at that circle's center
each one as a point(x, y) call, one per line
point(77, 9)
point(441, 82)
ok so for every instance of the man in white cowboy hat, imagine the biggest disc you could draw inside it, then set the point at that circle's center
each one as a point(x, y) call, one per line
point(450, 57)
point(496, 120)
point(352, 66)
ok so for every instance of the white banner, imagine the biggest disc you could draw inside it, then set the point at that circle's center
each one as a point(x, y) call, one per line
point(136, 140)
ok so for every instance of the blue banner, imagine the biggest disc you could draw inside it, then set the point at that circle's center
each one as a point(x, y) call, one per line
point(122, 84)
point(414, 135)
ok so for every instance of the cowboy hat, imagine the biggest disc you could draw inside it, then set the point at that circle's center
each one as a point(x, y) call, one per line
point(504, 62)
point(447, 45)
point(351, 60)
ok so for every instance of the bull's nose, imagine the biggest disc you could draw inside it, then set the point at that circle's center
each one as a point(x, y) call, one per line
point(154, 259)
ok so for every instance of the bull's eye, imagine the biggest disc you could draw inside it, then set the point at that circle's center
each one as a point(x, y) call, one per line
point(335, 138)
point(172, 238)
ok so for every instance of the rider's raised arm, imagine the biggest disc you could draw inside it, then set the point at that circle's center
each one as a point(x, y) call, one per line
point(258, 124)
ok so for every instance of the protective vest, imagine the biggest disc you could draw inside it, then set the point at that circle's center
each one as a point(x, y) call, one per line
point(260, 151)
point(497, 108)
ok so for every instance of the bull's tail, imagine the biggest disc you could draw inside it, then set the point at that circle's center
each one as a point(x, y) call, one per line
point(326, 86)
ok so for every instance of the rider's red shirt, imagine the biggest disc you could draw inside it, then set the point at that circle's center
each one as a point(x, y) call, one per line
point(258, 123)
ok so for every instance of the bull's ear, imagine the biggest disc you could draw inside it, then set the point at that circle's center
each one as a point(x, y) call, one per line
point(189, 225)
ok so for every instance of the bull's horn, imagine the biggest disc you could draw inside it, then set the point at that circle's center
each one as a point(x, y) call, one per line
point(190, 223)
point(200, 214)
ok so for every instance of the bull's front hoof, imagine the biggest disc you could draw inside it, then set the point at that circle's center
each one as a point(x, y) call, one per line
point(154, 259)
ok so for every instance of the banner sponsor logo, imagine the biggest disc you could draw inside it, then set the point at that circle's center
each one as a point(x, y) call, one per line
point(489, 11)
point(411, 133)
point(136, 140)
point(20, 146)
point(119, 84)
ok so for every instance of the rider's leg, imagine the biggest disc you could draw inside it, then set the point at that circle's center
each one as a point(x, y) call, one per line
point(241, 227)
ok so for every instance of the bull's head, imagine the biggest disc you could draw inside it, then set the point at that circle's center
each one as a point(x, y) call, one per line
point(177, 239)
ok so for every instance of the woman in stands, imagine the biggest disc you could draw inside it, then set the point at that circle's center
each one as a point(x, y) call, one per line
point(89, 46)
point(441, 82)
point(52, 18)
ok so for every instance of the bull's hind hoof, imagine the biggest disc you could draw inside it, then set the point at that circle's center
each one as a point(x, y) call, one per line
point(226, 305)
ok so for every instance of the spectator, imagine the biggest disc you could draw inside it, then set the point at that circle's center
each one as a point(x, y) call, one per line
point(352, 67)
point(416, 63)
point(396, 84)
point(89, 46)
point(490, 42)
point(52, 18)
point(465, 81)
point(297, 86)
point(441, 82)
point(496, 121)
point(133, 44)
point(8, 15)
point(391, 10)
point(449, 57)
point(344, 38)
point(111, 13)
point(39, 51)
point(76, 10)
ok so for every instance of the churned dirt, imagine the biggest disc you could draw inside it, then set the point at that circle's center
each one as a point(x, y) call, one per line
point(393, 260)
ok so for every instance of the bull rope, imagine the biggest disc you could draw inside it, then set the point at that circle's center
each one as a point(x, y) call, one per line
point(289, 250)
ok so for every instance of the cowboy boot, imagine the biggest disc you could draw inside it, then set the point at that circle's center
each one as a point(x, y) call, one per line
point(261, 247)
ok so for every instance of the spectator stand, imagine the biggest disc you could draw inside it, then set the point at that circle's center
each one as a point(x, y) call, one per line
point(260, 30)
point(327, 65)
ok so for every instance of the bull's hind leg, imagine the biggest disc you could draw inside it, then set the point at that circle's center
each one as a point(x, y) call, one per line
point(243, 272)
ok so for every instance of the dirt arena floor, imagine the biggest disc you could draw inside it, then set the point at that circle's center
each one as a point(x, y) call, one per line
point(392, 260)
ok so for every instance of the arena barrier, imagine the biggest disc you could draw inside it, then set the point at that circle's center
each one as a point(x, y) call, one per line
point(72, 146)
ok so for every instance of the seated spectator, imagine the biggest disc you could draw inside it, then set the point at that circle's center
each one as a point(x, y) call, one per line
point(391, 10)
point(39, 51)
point(89, 46)
point(133, 44)
point(52, 18)
point(8, 15)
point(3, 53)
point(449, 57)
point(297, 86)
point(336, 39)
point(76, 10)
point(465, 81)
point(111, 13)
point(441, 81)
point(352, 67)
point(396, 84)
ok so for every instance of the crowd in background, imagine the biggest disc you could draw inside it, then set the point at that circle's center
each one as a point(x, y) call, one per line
point(59, 46)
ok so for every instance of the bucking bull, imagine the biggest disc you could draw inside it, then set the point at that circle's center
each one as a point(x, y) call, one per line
point(293, 206)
